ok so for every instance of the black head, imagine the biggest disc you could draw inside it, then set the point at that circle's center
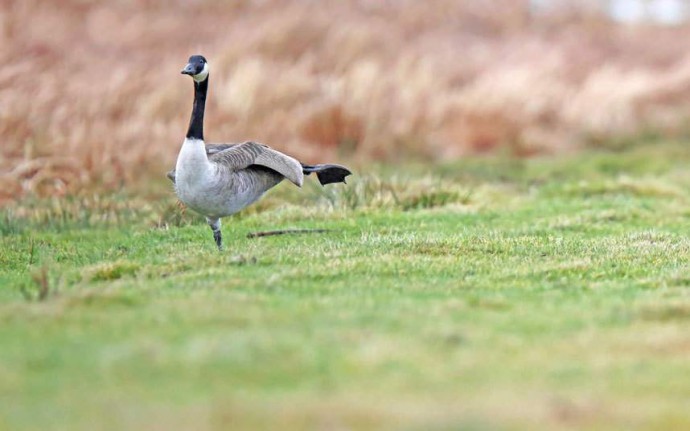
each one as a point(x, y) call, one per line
point(196, 67)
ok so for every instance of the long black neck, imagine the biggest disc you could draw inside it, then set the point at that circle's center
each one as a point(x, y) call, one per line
point(196, 124)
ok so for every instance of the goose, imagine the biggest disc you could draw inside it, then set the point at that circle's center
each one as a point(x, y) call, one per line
point(217, 180)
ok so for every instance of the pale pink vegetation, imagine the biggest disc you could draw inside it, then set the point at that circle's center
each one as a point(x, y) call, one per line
point(91, 95)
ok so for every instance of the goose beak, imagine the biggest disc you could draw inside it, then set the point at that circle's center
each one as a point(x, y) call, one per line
point(188, 70)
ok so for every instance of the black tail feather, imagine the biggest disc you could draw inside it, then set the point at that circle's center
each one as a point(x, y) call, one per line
point(327, 174)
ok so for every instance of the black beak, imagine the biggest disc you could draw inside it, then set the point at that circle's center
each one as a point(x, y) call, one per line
point(188, 70)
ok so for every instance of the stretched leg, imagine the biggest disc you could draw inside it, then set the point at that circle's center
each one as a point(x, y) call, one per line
point(214, 224)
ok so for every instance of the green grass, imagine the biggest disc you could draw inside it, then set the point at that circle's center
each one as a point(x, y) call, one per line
point(487, 294)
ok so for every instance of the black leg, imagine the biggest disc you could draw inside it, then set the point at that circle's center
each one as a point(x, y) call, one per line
point(219, 240)
point(214, 224)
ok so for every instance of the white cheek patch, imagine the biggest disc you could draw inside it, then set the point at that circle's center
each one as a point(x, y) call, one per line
point(201, 75)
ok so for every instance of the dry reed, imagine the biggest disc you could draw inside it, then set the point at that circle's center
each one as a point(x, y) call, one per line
point(91, 96)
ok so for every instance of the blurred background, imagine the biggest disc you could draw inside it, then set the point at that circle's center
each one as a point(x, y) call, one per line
point(91, 96)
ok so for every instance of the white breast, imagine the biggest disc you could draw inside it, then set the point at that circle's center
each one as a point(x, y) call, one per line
point(209, 189)
point(193, 172)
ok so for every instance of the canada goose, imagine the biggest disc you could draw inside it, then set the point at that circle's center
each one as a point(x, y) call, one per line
point(222, 179)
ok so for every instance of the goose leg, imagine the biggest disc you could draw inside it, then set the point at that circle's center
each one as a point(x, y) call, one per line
point(214, 224)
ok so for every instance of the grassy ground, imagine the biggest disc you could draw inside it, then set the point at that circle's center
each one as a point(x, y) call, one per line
point(490, 294)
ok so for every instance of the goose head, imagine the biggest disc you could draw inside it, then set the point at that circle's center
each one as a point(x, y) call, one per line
point(197, 68)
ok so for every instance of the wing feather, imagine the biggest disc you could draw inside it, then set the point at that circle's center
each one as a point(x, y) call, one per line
point(242, 156)
point(212, 149)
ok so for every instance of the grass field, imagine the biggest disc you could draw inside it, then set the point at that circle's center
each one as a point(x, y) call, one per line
point(491, 293)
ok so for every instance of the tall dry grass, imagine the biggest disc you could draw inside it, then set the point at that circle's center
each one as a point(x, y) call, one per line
point(91, 96)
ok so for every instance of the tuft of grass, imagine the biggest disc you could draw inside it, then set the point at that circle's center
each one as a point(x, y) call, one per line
point(395, 191)
point(40, 287)
point(113, 271)
point(41, 283)
point(436, 198)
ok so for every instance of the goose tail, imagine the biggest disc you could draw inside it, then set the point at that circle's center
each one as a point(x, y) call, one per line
point(327, 174)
